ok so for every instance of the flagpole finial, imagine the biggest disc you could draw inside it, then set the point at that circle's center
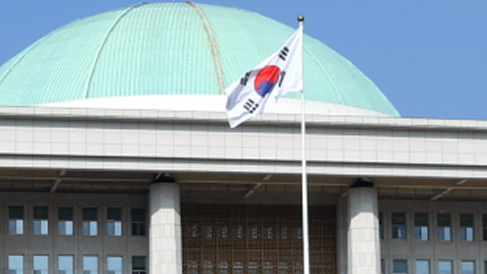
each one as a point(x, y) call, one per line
point(300, 18)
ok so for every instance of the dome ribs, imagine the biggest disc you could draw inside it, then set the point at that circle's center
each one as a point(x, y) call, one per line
point(325, 71)
point(102, 45)
point(214, 47)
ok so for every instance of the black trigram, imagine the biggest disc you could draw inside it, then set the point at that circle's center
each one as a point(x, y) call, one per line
point(283, 53)
point(245, 79)
point(281, 77)
point(250, 106)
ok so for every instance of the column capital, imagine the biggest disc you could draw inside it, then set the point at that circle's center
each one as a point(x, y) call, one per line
point(362, 182)
point(164, 179)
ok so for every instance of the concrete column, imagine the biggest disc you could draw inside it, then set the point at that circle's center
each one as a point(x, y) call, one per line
point(363, 230)
point(165, 241)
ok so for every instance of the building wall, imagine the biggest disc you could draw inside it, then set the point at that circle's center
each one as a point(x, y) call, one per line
point(433, 249)
point(77, 245)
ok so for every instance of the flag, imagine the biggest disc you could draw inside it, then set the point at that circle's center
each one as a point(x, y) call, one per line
point(278, 74)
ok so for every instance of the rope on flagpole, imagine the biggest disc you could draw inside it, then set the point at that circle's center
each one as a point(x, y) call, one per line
point(304, 177)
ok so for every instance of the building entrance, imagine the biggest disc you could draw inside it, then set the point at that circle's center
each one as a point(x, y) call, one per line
point(256, 239)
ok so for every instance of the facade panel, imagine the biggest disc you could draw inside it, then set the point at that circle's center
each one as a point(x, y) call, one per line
point(256, 239)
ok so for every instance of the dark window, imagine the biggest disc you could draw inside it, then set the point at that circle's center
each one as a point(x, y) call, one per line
point(138, 221)
point(381, 226)
point(139, 265)
point(399, 266)
point(484, 226)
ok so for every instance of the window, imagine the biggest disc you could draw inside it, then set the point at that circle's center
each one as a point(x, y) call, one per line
point(445, 267)
point(139, 265)
point(399, 225)
point(399, 266)
point(65, 264)
point(421, 226)
point(40, 220)
point(381, 226)
point(114, 265)
point(90, 224)
point(444, 226)
point(466, 227)
point(15, 264)
point(484, 226)
point(114, 221)
point(90, 265)
point(382, 266)
point(65, 223)
point(16, 220)
point(41, 264)
point(468, 267)
point(138, 221)
point(422, 267)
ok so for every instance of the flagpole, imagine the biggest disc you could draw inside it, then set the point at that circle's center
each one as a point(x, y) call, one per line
point(304, 178)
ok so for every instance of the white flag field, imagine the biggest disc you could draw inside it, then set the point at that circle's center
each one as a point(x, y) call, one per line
point(280, 73)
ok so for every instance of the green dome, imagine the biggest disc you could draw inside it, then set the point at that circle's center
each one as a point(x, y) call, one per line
point(172, 49)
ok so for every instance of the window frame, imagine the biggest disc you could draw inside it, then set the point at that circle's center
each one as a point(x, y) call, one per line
point(443, 228)
point(83, 266)
point(16, 224)
point(463, 262)
point(39, 223)
point(446, 261)
point(22, 262)
point(136, 270)
point(90, 225)
point(40, 271)
point(114, 224)
point(394, 266)
point(59, 266)
point(424, 261)
point(381, 225)
point(419, 228)
point(396, 227)
point(114, 271)
point(62, 221)
point(464, 230)
point(138, 227)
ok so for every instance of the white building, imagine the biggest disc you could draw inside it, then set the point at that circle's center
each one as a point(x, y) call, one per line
point(116, 157)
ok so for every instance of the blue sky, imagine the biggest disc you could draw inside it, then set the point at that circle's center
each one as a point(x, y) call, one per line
point(429, 57)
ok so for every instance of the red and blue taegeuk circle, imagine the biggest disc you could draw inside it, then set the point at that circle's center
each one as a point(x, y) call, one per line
point(266, 79)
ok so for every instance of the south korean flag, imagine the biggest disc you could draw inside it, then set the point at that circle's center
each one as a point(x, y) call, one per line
point(278, 74)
